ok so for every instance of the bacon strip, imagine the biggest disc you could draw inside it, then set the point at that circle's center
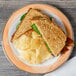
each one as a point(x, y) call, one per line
point(69, 42)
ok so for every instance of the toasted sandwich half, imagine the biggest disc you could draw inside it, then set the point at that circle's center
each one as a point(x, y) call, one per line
point(53, 36)
point(25, 23)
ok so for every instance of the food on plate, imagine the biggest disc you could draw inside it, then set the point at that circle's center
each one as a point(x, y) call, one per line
point(39, 37)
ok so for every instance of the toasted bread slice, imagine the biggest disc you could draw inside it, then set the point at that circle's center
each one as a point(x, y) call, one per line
point(52, 34)
point(25, 24)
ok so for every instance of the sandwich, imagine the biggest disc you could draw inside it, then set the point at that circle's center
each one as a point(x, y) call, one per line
point(25, 22)
point(52, 35)
point(39, 37)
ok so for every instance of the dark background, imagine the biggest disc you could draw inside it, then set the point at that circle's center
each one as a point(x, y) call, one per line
point(7, 7)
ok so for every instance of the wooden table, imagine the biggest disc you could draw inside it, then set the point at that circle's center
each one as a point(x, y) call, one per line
point(7, 7)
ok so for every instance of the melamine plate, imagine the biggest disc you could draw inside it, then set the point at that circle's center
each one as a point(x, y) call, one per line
point(13, 54)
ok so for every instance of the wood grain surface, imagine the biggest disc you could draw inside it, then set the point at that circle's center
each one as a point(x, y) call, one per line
point(7, 7)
